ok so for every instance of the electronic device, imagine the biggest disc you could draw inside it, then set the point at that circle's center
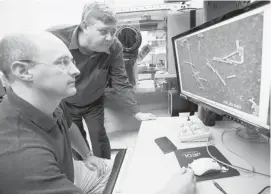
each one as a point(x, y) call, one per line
point(224, 65)
point(203, 166)
point(192, 156)
point(165, 145)
point(193, 130)
point(177, 104)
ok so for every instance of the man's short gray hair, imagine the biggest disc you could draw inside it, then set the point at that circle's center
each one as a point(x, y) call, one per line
point(14, 48)
point(99, 11)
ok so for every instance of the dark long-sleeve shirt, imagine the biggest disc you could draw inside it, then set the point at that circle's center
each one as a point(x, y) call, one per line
point(95, 70)
point(35, 152)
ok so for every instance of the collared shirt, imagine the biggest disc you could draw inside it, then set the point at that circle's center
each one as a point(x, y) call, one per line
point(95, 70)
point(35, 153)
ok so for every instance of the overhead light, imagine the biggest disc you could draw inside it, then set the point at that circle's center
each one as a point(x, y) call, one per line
point(175, 1)
point(170, 6)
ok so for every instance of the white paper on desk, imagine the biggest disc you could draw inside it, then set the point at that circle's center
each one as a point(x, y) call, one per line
point(155, 178)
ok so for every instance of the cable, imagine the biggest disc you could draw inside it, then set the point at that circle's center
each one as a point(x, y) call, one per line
point(233, 166)
point(242, 157)
point(264, 189)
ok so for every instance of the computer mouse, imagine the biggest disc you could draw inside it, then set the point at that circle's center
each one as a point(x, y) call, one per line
point(204, 166)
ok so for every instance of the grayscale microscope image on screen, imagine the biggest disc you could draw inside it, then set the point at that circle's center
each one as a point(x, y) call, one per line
point(223, 64)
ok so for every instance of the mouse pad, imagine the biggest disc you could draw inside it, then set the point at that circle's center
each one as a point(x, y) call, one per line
point(186, 156)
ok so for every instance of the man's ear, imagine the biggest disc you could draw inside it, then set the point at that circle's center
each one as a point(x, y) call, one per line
point(83, 25)
point(21, 71)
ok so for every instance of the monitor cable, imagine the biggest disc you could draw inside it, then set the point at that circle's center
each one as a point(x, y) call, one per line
point(233, 166)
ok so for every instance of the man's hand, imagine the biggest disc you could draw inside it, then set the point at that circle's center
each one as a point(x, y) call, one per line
point(95, 163)
point(144, 116)
point(181, 183)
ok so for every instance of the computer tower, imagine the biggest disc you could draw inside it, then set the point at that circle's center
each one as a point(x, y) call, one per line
point(177, 104)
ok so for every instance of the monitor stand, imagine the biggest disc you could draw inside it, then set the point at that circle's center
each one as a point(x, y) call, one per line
point(248, 133)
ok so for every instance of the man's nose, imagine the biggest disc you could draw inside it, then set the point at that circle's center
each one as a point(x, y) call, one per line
point(73, 70)
point(109, 36)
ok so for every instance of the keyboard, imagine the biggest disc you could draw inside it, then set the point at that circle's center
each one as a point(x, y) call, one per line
point(193, 130)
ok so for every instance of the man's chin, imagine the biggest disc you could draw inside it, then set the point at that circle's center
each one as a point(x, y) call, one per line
point(105, 49)
point(71, 92)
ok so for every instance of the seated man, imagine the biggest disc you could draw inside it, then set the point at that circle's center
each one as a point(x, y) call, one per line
point(35, 143)
point(35, 150)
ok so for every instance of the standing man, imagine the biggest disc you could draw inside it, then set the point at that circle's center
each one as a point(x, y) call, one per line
point(98, 55)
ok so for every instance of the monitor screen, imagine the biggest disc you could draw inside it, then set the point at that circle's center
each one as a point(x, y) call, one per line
point(226, 63)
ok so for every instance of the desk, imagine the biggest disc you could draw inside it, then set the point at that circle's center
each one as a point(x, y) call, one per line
point(147, 169)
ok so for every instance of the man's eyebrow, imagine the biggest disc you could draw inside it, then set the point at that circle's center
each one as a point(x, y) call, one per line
point(62, 57)
point(105, 28)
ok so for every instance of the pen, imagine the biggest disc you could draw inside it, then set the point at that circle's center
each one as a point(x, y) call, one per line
point(219, 187)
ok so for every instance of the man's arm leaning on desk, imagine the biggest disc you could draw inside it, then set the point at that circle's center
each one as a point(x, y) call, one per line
point(31, 170)
point(120, 83)
point(75, 137)
point(78, 144)
point(91, 162)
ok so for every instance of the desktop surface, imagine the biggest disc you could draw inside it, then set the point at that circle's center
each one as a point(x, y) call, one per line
point(148, 169)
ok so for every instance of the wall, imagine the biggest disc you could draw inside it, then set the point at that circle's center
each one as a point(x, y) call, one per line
point(36, 15)
point(177, 22)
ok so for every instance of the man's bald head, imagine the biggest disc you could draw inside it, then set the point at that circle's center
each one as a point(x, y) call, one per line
point(18, 47)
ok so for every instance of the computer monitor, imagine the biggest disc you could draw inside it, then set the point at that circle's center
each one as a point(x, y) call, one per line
point(225, 64)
